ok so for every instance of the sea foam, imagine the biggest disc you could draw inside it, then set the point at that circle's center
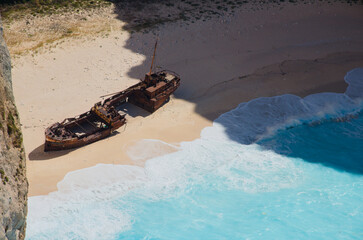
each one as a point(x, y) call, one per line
point(258, 118)
point(107, 201)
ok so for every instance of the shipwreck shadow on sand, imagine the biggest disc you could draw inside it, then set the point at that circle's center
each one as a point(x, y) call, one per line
point(132, 110)
point(38, 153)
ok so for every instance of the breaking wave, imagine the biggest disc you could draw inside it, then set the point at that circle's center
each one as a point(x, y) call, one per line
point(228, 184)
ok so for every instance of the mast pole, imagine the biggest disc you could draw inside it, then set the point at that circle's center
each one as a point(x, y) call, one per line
point(152, 61)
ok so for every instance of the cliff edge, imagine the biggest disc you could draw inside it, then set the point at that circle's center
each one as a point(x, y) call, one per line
point(13, 182)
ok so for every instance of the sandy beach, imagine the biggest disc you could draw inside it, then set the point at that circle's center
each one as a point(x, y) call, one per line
point(297, 49)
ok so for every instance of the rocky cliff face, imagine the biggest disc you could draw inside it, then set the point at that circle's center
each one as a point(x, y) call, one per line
point(13, 183)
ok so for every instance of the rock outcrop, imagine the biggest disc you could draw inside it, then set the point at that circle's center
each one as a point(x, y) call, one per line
point(13, 183)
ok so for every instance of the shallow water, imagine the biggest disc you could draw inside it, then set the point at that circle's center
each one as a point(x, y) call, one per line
point(251, 193)
point(273, 168)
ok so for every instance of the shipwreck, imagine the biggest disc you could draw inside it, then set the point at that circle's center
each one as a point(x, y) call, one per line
point(103, 118)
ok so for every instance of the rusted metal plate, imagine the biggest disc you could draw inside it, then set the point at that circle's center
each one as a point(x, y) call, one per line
point(156, 87)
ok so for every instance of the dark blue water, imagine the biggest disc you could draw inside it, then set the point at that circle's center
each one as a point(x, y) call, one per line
point(273, 168)
point(335, 143)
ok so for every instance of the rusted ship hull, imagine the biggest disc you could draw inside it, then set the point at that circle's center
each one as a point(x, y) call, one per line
point(98, 123)
point(103, 119)
point(56, 145)
point(146, 99)
point(53, 145)
point(82, 130)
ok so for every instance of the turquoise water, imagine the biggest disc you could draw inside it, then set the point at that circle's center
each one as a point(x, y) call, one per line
point(273, 168)
point(318, 200)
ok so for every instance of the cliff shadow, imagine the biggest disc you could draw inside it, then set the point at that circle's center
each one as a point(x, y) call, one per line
point(215, 66)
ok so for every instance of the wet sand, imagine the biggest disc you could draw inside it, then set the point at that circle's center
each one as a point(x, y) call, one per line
point(299, 49)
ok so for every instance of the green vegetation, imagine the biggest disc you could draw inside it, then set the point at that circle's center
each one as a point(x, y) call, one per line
point(2, 117)
point(11, 124)
point(151, 23)
point(191, 10)
point(4, 178)
point(19, 8)
point(32, 24)
point(18, 172)
point(2, 111)
point(13, 131)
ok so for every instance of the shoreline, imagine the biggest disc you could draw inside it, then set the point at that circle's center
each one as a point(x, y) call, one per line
point(317, 112)
point(170, 136)
point(222, 62)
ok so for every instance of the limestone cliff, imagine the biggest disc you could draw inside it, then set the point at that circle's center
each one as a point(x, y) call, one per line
point(13, 183)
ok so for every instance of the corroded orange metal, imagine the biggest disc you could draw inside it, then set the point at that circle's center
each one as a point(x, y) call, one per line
point(98, 123)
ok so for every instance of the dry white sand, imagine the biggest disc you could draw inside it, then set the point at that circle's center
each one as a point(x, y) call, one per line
point(222, 62)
